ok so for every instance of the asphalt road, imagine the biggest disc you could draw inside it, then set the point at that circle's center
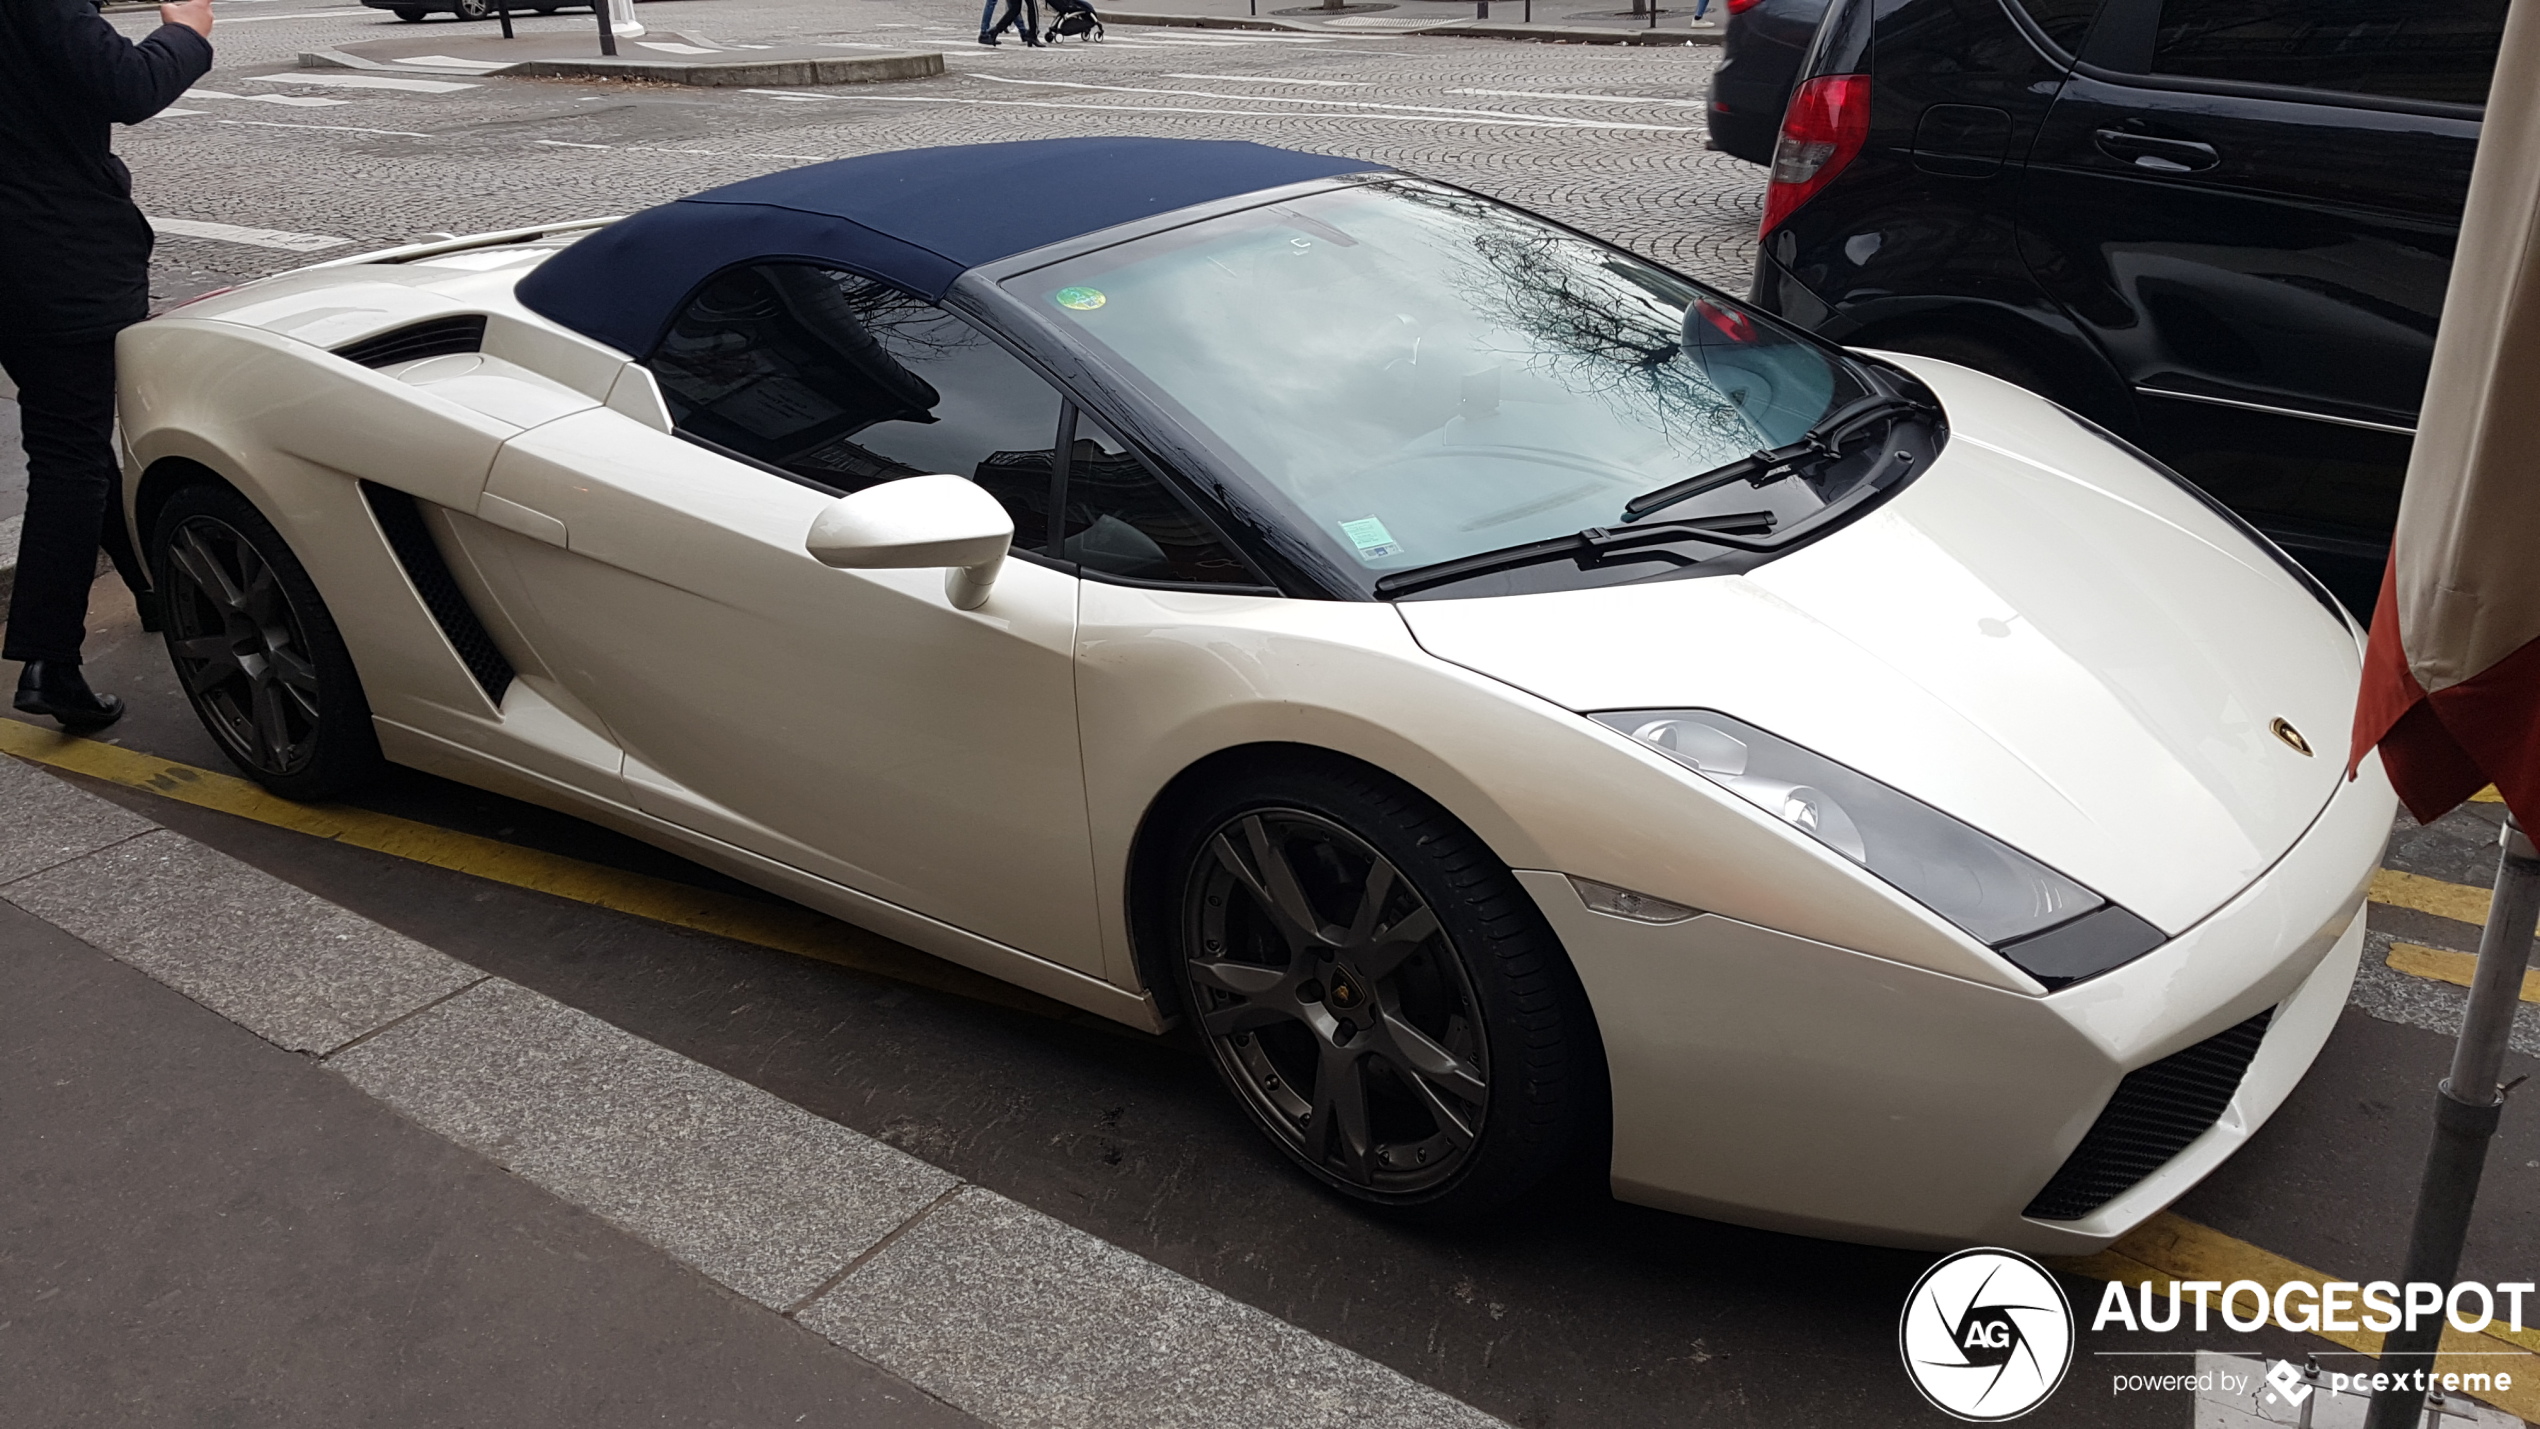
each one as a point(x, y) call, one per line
point(1591, 1312)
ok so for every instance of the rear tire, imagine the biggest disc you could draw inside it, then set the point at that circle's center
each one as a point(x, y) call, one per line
point(1351, 955)
point(475, 9)
point(256, 649)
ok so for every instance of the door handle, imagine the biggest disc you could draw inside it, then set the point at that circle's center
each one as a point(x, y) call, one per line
point(2150, 151)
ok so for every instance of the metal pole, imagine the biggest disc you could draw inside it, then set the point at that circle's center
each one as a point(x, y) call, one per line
point(503, 8)
point(608, 37)
point(2467, 1107)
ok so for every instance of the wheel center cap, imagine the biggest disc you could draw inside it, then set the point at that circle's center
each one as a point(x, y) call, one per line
point(1344, 993)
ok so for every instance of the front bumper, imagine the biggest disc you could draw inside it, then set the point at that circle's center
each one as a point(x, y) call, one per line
point(1783, 1083)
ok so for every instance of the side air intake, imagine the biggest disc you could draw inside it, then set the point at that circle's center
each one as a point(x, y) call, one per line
point(2155, 1113)
point(438, 338)
point(402, 524)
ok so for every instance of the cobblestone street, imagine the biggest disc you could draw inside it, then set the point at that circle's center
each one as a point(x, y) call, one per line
point(1608, 138)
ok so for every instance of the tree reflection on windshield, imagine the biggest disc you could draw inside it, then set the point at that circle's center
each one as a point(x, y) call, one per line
point(1407, 374)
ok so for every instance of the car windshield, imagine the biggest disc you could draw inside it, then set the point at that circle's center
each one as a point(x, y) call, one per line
point(1409, 374)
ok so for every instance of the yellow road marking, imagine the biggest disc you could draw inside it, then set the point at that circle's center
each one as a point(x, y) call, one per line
point(2457, 901)
point(2419, 961)
point(2169, 1248)
point(2487, 795)
point(785, 927)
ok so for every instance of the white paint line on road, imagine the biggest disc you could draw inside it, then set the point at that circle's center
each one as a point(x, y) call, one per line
point(1233, 113)
point(447, 62)
point(1591, 98)
point(329, 128)
point(1009, 1315)
point(660, 149)
point(673, 47)
point(297, 15)
point(176, 113)
point(295, 101)
point(369, 81)
point(253, 237)
point(1358, 105)
point(1275, 79)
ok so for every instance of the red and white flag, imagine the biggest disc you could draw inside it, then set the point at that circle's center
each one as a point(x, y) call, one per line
point(2451, 687)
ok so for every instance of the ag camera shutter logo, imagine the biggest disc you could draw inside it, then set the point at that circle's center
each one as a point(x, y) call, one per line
point(1987, 1335)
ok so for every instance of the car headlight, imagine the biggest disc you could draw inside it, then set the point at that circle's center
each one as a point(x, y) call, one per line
point(2050, 927)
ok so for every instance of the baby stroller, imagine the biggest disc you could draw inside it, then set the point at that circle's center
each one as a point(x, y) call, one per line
point(1073, 17)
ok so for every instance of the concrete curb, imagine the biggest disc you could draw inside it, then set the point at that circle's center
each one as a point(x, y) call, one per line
point(999, 1310)
point(837, 69)
point(1467, 28)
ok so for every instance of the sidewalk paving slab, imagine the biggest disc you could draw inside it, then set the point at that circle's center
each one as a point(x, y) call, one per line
point(199, 1228)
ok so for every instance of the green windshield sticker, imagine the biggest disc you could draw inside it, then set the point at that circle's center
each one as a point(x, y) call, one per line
point(1373, 541)
point(1083, 300)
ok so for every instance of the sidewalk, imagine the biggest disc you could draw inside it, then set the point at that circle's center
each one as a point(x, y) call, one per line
point(464, 1202)
point(198, 1227)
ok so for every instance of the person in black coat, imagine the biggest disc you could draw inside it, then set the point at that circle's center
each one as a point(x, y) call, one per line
point(74, 271)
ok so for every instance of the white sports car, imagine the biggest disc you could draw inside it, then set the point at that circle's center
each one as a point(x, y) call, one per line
point(1494, 690)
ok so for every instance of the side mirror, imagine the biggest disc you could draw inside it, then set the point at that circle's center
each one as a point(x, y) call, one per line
point(919, 521)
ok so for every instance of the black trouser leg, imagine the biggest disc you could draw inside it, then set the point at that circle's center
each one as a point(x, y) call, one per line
point(66, 402)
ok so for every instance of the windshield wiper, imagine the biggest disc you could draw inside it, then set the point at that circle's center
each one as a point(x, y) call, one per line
point(1824, 442)
point(1735, 530)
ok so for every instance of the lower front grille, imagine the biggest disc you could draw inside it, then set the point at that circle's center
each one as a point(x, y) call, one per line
point(2155, 1113)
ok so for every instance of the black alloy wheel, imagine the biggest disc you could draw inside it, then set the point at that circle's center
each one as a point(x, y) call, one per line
point(1381, 996)
point(475, 9)
point(256, 649)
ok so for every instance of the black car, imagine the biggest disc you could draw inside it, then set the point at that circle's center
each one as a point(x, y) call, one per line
point(2221, 228)
point(1759, 61)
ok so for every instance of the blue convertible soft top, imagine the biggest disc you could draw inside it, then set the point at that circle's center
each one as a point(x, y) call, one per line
point(914, 218)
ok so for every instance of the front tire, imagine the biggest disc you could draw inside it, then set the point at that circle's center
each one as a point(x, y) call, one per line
point(256, 649)
point(1379, 993)
point(475, 9)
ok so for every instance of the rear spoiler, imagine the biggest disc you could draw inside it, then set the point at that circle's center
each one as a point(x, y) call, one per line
point(411, 251)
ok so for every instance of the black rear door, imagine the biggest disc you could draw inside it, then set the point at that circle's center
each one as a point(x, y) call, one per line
point(2252, 205)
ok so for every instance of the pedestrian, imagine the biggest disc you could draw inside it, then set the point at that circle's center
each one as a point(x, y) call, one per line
point(1023, 14)
point(74, 271)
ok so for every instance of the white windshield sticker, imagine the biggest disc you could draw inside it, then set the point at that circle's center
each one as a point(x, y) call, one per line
point(1373, 541)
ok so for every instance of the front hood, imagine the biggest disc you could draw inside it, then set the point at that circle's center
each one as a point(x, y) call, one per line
point(2040, 635)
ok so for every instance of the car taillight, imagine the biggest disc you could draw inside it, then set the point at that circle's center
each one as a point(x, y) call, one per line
point(1740, 7)
point(1826, 124)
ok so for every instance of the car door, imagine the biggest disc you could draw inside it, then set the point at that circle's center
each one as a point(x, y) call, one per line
point(849, 723)
point(2251, 205)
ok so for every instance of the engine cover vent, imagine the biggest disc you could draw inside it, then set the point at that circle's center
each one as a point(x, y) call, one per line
point(438, 337)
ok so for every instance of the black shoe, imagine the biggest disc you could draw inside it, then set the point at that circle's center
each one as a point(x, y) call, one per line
point(49, 687)
point(987, 39)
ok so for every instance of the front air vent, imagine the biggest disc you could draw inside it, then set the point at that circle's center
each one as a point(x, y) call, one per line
point(438, 338)
point(2156, 1112)
point(402, 523)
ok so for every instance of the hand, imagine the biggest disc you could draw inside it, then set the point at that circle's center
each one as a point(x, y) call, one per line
point(195, 15)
